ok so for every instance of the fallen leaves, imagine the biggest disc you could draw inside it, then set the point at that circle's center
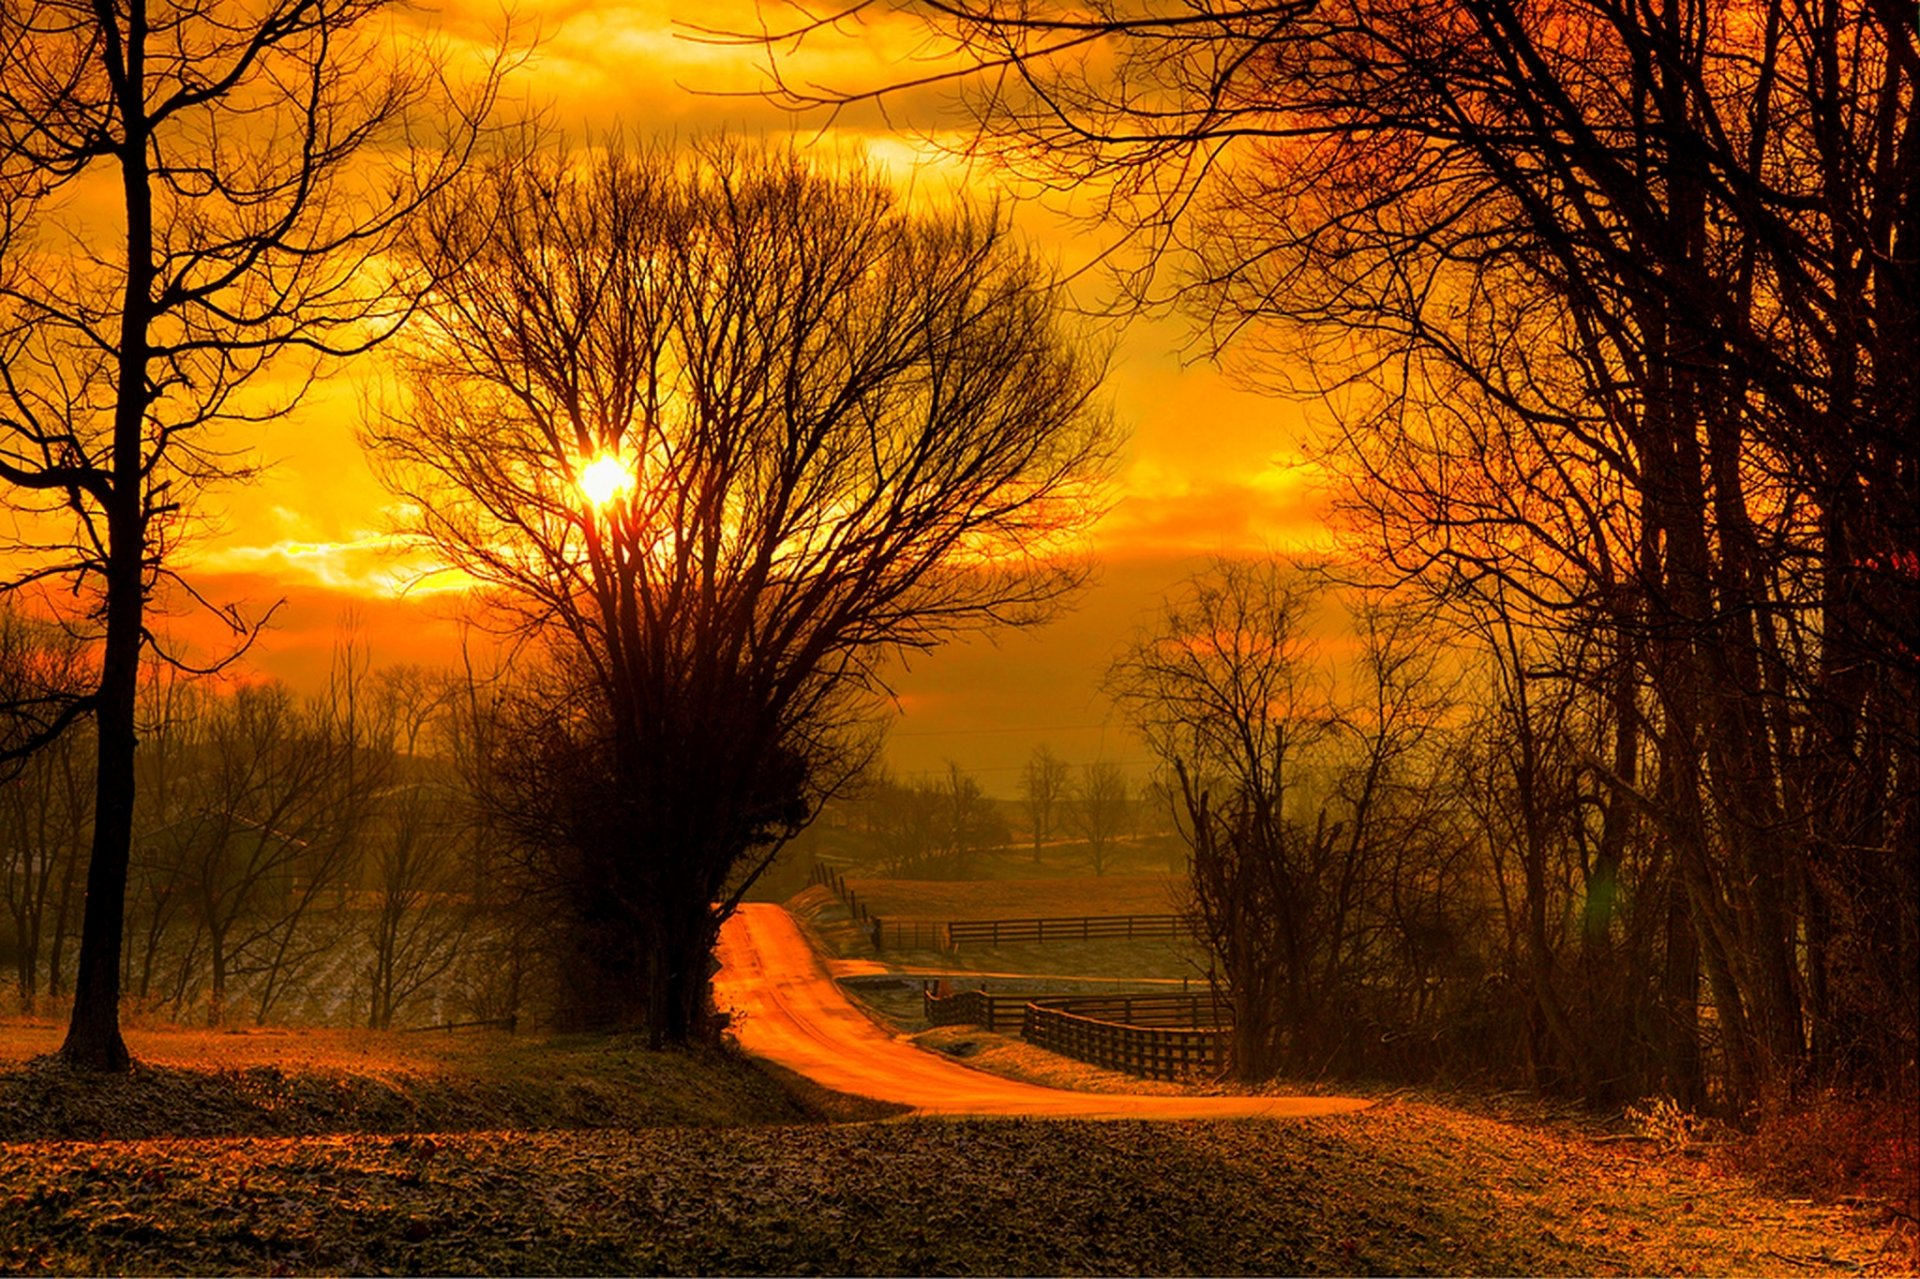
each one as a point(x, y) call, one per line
point(912, 1197)
point(527, 1083)
point(487, 1161)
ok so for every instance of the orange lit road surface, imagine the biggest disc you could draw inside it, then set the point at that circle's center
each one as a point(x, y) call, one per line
point(787, 1009)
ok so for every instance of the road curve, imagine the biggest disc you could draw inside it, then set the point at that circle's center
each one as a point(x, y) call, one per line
point(787, 1009)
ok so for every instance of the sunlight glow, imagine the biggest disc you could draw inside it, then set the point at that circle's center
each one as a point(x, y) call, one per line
point(604, 479)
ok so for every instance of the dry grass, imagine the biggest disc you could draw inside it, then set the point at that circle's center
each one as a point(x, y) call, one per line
point(1402, 1189)
point(240, 1047)
point(191, 1083)
point(1831, 1146)
point(411, 1154)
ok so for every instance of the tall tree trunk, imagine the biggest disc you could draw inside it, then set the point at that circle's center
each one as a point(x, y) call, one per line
point(93, 1036)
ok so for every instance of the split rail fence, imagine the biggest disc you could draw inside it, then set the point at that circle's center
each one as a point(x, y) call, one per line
point(995, 932)
point(1156, 1036)
point(1154, 1052)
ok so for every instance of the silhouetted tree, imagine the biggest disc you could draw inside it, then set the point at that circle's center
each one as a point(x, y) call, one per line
point(721, 430)
point(46, 799)
point(259, 159)
point(1226, 691)
point(1102, 809)
point(1045, 777)
point(1325, 867)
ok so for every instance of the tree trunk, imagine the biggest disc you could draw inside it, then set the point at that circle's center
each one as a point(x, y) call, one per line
point(93, 1036)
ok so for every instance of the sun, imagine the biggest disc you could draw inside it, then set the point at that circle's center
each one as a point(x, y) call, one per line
point(604, 479)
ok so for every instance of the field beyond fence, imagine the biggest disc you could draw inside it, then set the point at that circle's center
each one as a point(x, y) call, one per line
point(893, 913)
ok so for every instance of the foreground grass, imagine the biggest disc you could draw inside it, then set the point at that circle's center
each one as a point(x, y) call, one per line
point(335, 1151)
point(1403, 1188)
point(202, 1083)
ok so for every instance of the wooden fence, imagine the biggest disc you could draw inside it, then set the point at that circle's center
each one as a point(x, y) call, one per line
point(1157, 1036)
point(836, 883)
point(995, 1009)
point(992, 1009)
point(1155, 1052)
point(995, 932)
point(909, 934)
point(1184, 1010)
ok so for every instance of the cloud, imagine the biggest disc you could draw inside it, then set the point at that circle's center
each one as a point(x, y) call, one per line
point(368, 566)
point(1275, 511)
point(307, 619)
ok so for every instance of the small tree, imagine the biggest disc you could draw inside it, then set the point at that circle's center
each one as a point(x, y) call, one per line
point(1046, 776)
point(46, 800)
point(1226, 693)
point(1102, 809)
point(721, 430)
point(411, 856)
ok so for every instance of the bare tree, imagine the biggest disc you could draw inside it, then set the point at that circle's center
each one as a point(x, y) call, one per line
point(1102, 809)
point(282, 797)
point(171, 708)
point(412, 868)
point(1045, 776)
point(45, 803)
point(1226, 692)
point(721, 430)
point(419, 915)
point(261, 158)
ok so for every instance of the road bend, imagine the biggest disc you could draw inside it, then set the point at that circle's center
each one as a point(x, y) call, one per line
point(787, 1009)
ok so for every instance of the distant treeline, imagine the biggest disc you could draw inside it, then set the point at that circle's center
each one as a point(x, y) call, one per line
point(316, 859)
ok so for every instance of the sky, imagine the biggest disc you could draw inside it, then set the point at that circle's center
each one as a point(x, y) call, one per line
point(1209, 468)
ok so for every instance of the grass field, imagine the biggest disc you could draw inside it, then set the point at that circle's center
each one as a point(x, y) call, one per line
point(1405, 1188)
point(298, 1152)
point(1137, 960)
point(209, 1083)
point(932, 899)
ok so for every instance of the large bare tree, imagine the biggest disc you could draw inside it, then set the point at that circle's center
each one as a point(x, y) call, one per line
point(191, 191)
point(723, 428)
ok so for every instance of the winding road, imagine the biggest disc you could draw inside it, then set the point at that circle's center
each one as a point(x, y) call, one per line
point(787, 1009)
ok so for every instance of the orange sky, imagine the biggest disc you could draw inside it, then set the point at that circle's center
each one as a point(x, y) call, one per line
point(1209, 468)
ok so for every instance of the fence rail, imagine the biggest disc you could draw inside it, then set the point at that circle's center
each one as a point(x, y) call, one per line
point(1185, 1011)
point(910, 934)
point(1159, 1036)
point(1154, 1052)
point(993, 1010)
point(994, 932)
point(836, 883)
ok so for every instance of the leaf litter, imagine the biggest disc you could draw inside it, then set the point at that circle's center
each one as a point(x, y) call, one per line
point(591, 1156)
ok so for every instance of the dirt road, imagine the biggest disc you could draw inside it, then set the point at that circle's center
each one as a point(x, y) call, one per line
point(787, 1009)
